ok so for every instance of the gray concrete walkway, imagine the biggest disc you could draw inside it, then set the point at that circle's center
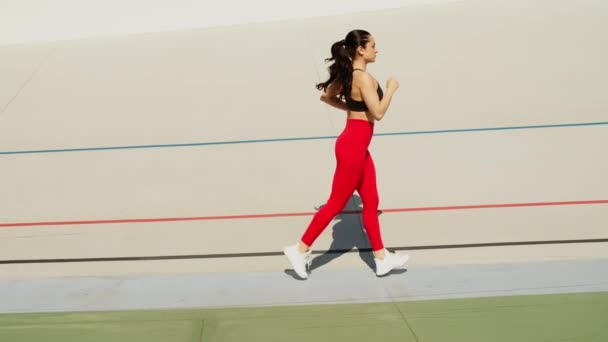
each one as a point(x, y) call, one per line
point(210, 290)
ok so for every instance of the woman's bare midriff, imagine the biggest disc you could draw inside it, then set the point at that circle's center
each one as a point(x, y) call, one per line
point(359, 116)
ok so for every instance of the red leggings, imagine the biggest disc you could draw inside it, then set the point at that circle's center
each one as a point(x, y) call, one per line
point(354, 171)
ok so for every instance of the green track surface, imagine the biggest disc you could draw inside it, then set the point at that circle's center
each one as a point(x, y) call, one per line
point(564, 317)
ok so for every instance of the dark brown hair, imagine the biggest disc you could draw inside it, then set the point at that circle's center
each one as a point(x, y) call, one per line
point(342, 55)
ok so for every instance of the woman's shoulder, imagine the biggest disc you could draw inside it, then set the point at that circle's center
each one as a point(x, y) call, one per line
point(364, 78)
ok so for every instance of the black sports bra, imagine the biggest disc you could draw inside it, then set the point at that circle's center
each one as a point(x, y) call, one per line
point(360, 106)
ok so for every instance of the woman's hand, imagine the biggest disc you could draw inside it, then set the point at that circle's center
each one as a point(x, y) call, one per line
point(392, 84)
point(330, 97)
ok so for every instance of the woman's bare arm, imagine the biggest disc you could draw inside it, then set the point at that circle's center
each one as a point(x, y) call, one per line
point(376, 107)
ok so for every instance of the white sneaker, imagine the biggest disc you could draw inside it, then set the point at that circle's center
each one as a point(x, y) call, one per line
point(390, 261)
point(299, 261)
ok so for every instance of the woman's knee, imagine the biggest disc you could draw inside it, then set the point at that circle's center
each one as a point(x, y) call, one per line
point(336, 203)
point(370, 200)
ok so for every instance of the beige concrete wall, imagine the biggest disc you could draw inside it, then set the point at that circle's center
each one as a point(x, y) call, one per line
point(24, 22)
point(461, 65)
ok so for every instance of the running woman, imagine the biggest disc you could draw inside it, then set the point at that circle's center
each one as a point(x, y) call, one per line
point(352, 88)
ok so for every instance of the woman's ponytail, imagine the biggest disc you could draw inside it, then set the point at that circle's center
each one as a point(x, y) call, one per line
point(342, 54)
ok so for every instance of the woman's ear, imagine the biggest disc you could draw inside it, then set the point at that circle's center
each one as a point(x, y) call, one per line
point(360, 50)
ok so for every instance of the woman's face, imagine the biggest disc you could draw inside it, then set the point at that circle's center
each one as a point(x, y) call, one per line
point(369, 52)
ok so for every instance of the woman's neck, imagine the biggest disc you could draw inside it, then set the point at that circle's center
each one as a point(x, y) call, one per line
point(362, 66)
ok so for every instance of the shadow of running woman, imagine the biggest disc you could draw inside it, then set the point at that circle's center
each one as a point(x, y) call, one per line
point(348, 233)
